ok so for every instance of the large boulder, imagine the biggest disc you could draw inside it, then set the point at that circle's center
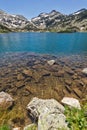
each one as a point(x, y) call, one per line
point(6, 101)
point(37, 106)
point(52, 120)
point(48, 112)
point(72, 102)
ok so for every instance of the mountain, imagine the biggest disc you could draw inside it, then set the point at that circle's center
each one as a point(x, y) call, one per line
point(4, 29)
point(53, 21)
point(13, 22)
point(30, 27)
point(45, 20)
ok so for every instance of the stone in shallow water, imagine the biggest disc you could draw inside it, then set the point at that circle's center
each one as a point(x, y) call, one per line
point(77, 92)
point(51, 62)
point(6, 101)
point(71, 102)
point(19, 84)
point(61, 73)
point(84, 80)
point(20, 77)
point(27, 72)
point(84, 70)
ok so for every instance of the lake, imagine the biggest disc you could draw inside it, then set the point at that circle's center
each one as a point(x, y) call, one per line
point(44, 43)
point(25, 72)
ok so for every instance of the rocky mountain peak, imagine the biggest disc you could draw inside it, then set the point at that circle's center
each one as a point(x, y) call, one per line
point(80, 11)
point(52, 21)
point(54, 12)
point(42, 14)
point(21, 17)
point(12, 21)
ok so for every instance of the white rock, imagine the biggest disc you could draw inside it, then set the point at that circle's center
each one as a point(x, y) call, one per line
point(16, 128)
point(6, 100)
point(30, 127)
point(71, 102)
point(38, 106)
point(48, 112)
point(51, 62)
point(84, 70)
point(52, 121)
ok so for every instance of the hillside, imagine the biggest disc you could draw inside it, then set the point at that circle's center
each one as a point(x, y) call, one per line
point(4, 29)
point(53, 21)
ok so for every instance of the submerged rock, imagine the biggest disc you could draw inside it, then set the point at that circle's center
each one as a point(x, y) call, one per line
point(84, 70)
point(72, 102)
point(20, 77)
point(48, 112)
point(51, 62)
point(6, 101)
point(27, 72)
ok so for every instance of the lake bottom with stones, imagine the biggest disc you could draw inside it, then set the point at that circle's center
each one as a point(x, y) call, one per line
point(26, 75)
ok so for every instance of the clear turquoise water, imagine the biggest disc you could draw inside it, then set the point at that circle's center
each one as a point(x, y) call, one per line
point(44, 43)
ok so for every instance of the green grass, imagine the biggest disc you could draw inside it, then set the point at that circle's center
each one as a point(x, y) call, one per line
point(16, 115)
point(5, 127)
point(77, 119)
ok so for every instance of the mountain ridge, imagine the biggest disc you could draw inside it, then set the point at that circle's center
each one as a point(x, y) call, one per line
point(53, 21)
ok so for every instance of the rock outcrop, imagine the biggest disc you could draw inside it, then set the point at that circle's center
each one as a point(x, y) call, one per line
point(15, 22)
point(49, 114)
point(53, 21)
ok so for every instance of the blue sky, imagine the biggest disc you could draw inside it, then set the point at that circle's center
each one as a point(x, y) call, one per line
point(32, 8)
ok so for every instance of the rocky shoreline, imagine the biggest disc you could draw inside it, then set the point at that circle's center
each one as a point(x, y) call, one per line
point(25, 76)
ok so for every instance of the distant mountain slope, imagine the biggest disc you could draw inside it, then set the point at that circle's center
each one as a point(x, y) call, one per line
point(4, 29)
point(45, 20)
point(53, 21)
point(13, 22)
point(30, 27)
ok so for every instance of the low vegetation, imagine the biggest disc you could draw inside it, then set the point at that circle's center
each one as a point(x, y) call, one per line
point(5, 127)
point(4, 29)
point(77, 119)
point(33, 127)
point(14, 116)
